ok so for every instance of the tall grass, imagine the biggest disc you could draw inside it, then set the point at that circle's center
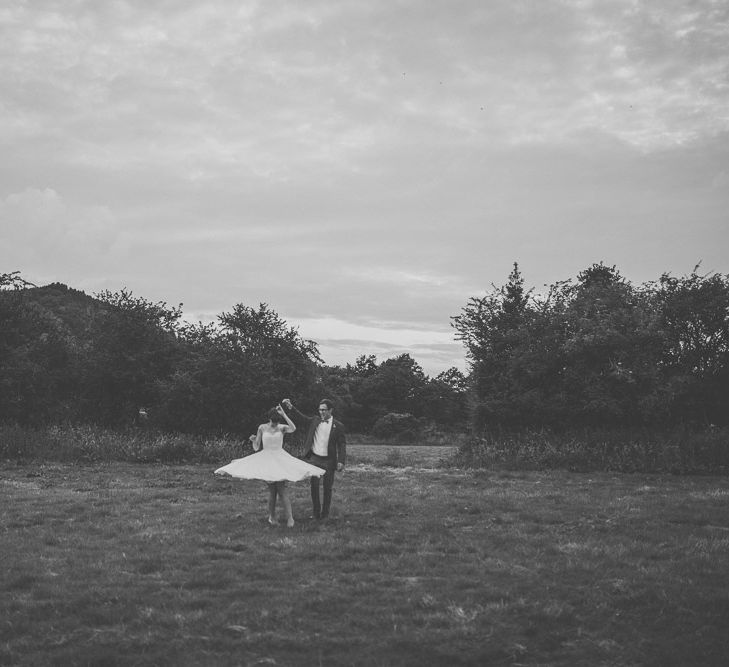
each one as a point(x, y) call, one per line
point(93, 444)
point(681, 451)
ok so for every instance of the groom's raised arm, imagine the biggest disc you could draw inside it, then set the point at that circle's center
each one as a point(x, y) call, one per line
point(295, 411)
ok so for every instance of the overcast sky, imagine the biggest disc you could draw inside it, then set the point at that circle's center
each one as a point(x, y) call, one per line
point(362, 166)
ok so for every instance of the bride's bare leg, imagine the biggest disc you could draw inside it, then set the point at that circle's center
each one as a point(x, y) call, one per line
point(286, 502)
point(272, 491)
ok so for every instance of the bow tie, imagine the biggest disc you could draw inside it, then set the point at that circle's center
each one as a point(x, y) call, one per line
point(324, 421)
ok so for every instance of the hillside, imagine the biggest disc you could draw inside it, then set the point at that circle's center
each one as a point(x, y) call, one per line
point(70, 308)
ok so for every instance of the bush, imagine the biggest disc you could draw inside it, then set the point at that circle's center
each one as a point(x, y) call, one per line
point(599, 353)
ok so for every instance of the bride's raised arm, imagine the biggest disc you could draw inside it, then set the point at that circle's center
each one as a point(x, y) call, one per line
point(290, 426)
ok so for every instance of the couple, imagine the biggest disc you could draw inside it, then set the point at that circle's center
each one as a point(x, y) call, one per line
point(326, 450)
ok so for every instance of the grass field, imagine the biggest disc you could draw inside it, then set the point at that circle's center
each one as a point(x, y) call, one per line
point(399, 456)
point(123, 564)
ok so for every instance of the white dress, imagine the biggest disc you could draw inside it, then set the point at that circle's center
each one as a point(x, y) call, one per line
point(272, 464)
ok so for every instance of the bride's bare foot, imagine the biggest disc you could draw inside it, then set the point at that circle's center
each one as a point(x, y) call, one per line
point(290, 523)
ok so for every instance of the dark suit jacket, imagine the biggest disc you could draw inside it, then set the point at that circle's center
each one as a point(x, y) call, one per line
point(337, 445)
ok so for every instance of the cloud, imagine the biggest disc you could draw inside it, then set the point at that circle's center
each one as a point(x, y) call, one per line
point(341, 342)
point(433, 359)
point(38, 228)
point(371, 163)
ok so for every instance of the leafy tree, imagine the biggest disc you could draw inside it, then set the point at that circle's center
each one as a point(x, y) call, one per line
point(157, 315)
point(131, 345)
point(492, 328)
point(35, 349)
point(609, 350)
point(694, 312)
point(395, 387)
point(599, 351)
point(234, 372)
point(286, 360)
point(443, 399)
point(366, 391)
point(364, 366)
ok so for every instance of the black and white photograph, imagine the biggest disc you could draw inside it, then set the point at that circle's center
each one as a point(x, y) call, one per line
point(364, 333)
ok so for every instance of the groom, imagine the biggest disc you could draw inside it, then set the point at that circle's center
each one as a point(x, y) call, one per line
point(326, 447)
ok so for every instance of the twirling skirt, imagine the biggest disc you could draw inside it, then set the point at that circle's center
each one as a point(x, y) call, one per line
point(272, 465)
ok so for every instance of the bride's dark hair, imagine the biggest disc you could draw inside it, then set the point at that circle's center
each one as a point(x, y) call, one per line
point(274, 416)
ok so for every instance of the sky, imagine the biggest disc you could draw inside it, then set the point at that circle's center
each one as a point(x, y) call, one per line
point(364, 167)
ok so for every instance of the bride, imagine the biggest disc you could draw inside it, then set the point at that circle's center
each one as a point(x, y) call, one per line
point(272, 464)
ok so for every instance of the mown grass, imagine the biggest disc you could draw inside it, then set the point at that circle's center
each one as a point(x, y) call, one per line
point(124, 564)
point(400, 456)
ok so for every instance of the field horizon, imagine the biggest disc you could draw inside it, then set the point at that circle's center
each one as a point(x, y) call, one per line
point(153, 564)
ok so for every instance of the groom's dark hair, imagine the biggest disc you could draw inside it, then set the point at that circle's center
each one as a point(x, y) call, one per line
point(328, 402)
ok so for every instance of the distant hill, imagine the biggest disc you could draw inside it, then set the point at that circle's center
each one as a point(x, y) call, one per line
point(70, 357)
point(66, 355)
point(57, 312)
point(70, 307)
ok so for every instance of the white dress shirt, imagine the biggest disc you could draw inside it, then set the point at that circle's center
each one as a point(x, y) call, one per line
point(321, 438)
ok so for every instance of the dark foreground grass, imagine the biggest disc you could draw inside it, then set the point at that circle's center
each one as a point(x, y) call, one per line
point(124, 564)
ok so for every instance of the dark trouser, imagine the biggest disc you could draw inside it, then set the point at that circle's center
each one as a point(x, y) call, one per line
point(321, 511)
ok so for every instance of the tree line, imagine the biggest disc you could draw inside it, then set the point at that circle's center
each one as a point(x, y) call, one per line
point(70, 357)
point(595, 352)
point(600, 352)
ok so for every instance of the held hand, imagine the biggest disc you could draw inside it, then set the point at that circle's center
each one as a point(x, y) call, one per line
point(252, 439)
point(287, 403)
